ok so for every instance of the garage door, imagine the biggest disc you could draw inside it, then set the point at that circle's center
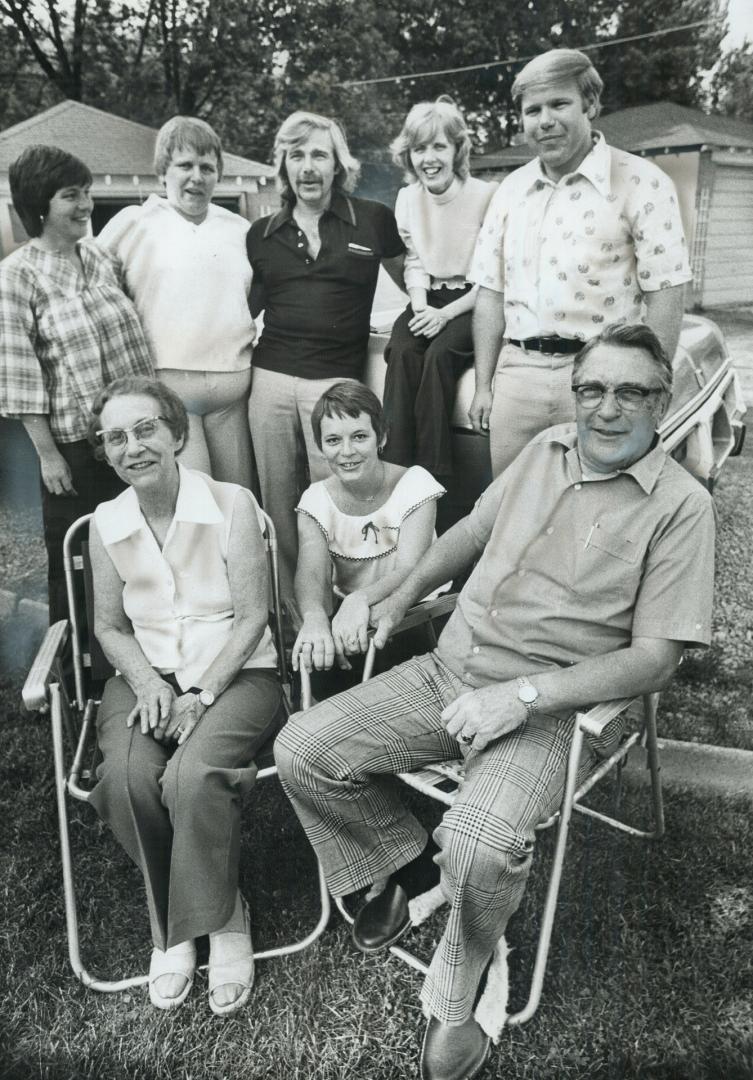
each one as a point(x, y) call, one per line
point(728, 265)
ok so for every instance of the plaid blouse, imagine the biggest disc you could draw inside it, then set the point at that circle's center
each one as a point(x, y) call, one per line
point(61, 339)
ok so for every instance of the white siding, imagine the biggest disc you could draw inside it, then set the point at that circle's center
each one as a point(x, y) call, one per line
point(728, 263)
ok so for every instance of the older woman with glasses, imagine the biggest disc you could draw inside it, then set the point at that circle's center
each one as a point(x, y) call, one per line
point(186, 269)
point(66, 329)
point(439, 215)
point(180, 604)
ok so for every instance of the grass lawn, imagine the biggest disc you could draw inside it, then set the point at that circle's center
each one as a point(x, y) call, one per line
point(651, 973)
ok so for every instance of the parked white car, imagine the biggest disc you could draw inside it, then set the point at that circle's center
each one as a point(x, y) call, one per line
point(703, 426)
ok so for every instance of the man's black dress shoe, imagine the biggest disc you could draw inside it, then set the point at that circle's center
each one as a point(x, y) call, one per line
point(382, 920)
point(453, 1052)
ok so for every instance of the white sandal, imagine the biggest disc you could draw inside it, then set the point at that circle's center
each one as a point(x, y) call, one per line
point(231, 963)
point(178, 960)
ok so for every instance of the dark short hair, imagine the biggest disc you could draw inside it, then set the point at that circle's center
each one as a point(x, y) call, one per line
point(36, 174)
point(169, 406)
point(631, 336)
point(348, 398)
point(186, 133)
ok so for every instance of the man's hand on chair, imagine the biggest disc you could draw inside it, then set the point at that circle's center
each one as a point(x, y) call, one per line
point(386, 616)
point(479, 717)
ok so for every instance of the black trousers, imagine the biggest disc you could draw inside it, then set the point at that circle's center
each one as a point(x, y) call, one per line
point(419, 388)
point(95, 482)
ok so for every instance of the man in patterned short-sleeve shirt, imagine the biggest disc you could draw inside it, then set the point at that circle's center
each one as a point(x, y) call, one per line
point(582, 237)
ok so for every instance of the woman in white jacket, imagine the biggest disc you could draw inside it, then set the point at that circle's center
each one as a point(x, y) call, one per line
point(439, 215)
point(186, 270)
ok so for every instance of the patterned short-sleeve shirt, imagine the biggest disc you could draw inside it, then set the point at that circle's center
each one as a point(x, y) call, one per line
point(64, 336)
point(574, 256)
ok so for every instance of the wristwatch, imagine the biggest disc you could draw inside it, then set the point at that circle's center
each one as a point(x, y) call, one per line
point(529, 695)
point(206, 697)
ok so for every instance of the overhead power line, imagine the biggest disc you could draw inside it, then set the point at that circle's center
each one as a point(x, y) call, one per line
point(488, 65)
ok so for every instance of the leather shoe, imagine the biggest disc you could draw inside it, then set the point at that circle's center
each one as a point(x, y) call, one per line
point(453, 1052)
point(383, 920)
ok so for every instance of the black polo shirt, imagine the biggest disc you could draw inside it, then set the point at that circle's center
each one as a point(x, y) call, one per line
point(317, 311)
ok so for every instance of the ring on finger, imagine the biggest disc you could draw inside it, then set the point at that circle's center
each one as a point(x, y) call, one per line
point(181, 731)
point(466, 739)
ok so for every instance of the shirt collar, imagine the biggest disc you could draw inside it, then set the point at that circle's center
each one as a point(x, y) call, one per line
point(341, 206)
point(595, 167)
point(645, 471)
point(122, 517)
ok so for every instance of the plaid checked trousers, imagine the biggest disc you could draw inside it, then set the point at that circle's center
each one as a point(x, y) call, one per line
point(337, 763)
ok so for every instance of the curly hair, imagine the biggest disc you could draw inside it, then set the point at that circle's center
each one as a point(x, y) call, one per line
point(169, 406)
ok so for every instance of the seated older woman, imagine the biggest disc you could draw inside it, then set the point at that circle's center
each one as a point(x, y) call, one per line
point(360, 531)
point(180, 581)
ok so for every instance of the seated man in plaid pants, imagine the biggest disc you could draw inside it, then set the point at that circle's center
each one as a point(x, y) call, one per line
point(595, 568)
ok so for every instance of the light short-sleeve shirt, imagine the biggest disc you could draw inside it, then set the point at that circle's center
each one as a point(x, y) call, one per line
point(364, 547)
point(576, 255)
point(573, 568)
point(178, 597)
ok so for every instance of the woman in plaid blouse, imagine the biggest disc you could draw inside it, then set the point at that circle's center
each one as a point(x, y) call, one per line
point(66, 330)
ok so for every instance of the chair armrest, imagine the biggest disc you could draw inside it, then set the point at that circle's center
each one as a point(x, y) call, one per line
point(427, 610)
point(43, 670)
point(596, 719)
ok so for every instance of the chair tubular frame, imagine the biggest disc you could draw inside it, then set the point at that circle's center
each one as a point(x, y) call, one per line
point(45, 692)
point(592, 722)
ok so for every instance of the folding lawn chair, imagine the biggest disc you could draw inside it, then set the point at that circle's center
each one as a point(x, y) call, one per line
point(72, 713)
point(440, 783)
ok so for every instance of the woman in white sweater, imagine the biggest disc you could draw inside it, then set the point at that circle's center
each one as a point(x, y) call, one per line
point(185, 268)
point(439, 216)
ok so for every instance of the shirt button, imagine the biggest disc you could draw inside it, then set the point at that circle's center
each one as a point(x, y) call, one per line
point(476, 649)
point(578, 487)
point(549, 531)
point(494, 613)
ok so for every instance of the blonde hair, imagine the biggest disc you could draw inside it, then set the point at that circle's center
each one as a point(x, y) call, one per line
point(295, 130)
point(422, 123)
point(186, 133)
point(561, 65)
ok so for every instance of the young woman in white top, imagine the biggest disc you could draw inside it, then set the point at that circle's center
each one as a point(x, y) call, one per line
point(360, 532)
point(439, 216)
point(180, 610)
point(186, 270)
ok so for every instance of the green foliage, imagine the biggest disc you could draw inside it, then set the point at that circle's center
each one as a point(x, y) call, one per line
point(245, 64)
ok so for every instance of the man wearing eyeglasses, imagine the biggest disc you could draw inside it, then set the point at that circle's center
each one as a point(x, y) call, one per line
point(582, 237)
point(593, 558)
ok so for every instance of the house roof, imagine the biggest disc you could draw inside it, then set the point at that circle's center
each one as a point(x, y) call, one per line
point(650, 128)
point(107, 143)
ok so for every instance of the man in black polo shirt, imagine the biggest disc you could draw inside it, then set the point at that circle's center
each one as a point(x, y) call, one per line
point(315, 265)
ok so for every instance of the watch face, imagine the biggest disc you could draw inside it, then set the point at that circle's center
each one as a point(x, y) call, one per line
point(206, 697)
point(528, 694)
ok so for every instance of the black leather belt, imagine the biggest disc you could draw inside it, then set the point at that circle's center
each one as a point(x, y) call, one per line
point(549, 344)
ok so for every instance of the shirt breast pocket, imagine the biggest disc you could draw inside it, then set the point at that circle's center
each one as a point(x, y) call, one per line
point(362, 262)
point(607, 563)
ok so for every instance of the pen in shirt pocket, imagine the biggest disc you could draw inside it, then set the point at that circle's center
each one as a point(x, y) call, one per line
point(590, 534)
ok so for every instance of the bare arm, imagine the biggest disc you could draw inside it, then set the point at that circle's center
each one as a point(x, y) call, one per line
point(488, 335)
point(664, 311)
point(394, 268)
point(314, 645)
point(351, 623)
point(56, 474)
point(113, 628)
point(444, 560)
point(645, 666)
